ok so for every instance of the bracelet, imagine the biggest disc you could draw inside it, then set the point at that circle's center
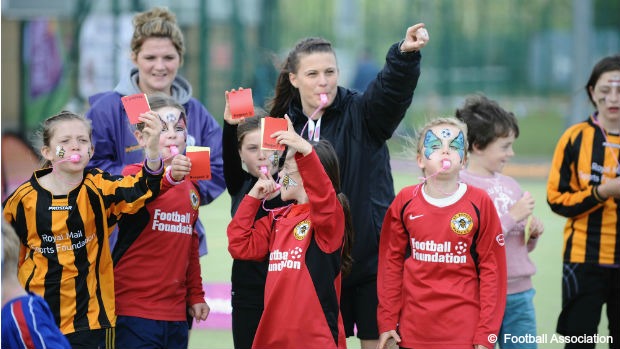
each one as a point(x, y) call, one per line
point(155, 159)
point(170, 178)
point(597, 195)
point(158, 170)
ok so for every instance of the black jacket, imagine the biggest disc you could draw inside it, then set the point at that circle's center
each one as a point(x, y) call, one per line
point(358, 126)
point(247, 277)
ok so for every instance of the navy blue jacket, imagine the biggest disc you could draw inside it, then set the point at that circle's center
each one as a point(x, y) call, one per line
point(358, 126)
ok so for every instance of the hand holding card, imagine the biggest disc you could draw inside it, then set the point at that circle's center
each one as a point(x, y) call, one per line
point(269, 126)
point(135, 105)
point(241, 103)
point(201, 162)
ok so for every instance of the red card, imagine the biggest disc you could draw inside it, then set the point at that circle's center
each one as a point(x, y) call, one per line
point(135, 105)
point(201, 162)
point(241, 104)
point(268, 126)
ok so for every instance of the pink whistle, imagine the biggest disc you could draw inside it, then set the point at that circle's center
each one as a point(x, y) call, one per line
point(323, 99)
point(174, 150)
point(75, 158)
point(263, 170)
point(278, 186)
point(445, 164)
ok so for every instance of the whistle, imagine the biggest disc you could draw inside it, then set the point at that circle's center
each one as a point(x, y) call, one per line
point(445, 164)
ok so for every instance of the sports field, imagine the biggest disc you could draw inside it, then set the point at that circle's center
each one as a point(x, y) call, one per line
point(547, 257)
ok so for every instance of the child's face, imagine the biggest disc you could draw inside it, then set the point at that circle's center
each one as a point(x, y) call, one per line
point(69, 138)
point(606, 95)
point(290, 180)
point(495, 156)
point(442, 143)
point(173, 133)
point(252, 155)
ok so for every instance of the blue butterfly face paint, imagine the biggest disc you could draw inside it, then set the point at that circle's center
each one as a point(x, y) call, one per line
point(433, 143)
point(458, 144)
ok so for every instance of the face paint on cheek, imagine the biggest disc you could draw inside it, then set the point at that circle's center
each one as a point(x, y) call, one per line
point(458, 143)
point(60, 151)
point(288, 182)
point(274, 159)
point(431, 143)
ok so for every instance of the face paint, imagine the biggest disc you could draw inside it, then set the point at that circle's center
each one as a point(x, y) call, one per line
point(446, 133)
point(60, 151)
point(458, 144)
point(431, 143)
point(274, 159)
point(288, 182)
point(170, 117)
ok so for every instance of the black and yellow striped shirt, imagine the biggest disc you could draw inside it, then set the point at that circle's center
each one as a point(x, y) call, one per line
point(582, 161)
point(65, 255)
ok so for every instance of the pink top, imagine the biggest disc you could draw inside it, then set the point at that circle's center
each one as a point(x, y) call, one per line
point(505, 191)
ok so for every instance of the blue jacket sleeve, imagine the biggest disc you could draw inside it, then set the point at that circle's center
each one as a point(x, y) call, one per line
point(107, 126)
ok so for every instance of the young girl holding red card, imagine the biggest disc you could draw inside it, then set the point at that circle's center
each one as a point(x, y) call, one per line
point(244, 161)
point(307, 244)
point(156, 267)
point(442, 264)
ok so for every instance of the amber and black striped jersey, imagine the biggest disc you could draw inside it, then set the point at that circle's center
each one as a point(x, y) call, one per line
point(65, 255)
point(584, 158)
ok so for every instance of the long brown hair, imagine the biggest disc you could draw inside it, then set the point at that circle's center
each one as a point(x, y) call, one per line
point(285, 92)
point(329, 159)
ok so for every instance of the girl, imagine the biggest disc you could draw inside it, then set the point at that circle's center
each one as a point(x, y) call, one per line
point(307, 245)
point(156, 267)
point(584, 187)
point(442, 265)
point(63, 216)
point(243, 162)
point(358, 126)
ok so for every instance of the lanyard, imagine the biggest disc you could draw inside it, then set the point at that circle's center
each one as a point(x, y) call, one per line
point(314, 130)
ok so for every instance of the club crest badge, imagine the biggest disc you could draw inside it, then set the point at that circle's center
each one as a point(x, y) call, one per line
point(194, 199)
point(461, 223)
point(301, 230)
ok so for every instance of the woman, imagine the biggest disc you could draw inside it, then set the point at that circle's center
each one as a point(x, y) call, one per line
point(157, 51)
point(358, 126)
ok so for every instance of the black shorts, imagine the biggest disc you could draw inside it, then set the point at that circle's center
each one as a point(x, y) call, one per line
point(585, 288)
point(358, 305)
point(88, 339)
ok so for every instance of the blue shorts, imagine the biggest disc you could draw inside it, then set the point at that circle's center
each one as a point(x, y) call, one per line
point(134, 332)
point(519, 321)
